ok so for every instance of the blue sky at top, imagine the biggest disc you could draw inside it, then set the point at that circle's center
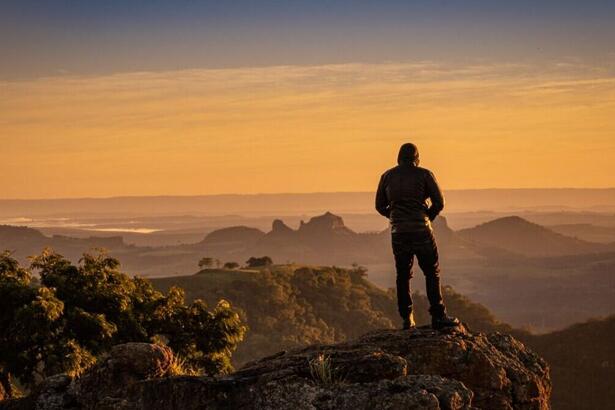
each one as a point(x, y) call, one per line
point(41, 38)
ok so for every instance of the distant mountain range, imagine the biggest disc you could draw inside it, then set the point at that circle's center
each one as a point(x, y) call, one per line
point(521, 270)
point(460, 200)
point(324, 239)
point(24, 241)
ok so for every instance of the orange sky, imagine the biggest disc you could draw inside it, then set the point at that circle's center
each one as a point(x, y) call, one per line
point(306, 128)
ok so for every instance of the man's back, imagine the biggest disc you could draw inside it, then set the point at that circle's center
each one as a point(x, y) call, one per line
point(402, 197)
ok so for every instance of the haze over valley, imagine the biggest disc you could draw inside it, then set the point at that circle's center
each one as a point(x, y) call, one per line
point(520, 252)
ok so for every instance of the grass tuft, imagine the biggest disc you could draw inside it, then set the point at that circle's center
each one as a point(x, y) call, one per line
point(323, 372)
point(180, 367)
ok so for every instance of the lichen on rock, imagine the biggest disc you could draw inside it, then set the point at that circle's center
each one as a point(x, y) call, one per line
point(385, 369)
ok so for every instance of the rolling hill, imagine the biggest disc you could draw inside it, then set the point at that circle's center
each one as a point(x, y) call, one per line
point(588, 232)
point(288, 306)
point(582, 359)
point(517, 235)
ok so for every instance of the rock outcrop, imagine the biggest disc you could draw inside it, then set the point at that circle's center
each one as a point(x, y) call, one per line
point(324, 223)
point(278, 227)
point(387, 369)
point(326, 240)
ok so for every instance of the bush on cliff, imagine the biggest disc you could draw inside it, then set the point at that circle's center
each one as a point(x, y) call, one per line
point(77, 313)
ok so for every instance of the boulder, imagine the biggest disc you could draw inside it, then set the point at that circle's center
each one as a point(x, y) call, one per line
point(385, 369)
point(106, 385)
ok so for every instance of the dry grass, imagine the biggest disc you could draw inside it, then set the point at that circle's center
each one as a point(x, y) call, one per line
point(323, 372)
point(179, 367)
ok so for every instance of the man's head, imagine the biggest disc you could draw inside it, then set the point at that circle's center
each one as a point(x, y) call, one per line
point(408, 154)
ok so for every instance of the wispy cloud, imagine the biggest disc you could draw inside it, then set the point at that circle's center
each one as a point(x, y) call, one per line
point(177, 123)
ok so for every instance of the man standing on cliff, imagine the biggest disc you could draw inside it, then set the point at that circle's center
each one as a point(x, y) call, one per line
point(402, 197)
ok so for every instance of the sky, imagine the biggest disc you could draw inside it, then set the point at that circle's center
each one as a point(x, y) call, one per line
point(108, 98)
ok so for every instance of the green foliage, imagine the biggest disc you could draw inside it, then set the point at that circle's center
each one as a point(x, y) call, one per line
point(79, 311)
point(206, 262)
point(231, 265)
point(263, 261)
point(288, 306)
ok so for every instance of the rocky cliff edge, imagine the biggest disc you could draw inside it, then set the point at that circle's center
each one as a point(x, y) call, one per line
point(386, 369)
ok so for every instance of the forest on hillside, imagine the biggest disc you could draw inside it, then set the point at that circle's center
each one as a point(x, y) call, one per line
point(287, 306)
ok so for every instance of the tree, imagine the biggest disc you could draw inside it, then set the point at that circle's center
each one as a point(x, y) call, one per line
point(358, 271)
point(231, 265)
point(80, 311)
point(259, 262)
point(206, 262)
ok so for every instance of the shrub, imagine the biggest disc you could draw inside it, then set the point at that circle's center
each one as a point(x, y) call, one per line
point(78, 312)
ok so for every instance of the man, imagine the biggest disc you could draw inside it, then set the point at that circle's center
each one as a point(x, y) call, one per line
point(402, 197)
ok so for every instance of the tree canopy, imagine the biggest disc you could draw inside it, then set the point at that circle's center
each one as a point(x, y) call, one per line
point(206, 262)
point(231, 265)
point(77, 312)
point(255, 262)
point(290, 306)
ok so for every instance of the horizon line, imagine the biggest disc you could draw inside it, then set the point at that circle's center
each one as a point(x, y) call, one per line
point(289, 193)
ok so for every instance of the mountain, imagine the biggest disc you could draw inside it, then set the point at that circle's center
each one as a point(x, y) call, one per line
point(582, 359)
point(515, 234)
point(26, 241)
point(468, 200)
point(20, 237)
point(236, 239)
point(142, 260)
point(587, 232)
point(324, 239)
point(385, 369)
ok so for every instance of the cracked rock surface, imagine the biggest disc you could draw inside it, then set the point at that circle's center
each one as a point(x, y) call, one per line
point(385, 369)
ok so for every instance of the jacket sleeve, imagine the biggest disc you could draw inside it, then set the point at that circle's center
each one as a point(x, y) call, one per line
point(435, 195)
point(382, 202)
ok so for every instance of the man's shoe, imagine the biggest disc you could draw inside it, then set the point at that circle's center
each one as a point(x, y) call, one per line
point(444, 321)
point(409, 322)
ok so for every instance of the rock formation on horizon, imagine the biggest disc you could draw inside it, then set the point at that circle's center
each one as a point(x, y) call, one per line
point(326, 222)
point(386, 369)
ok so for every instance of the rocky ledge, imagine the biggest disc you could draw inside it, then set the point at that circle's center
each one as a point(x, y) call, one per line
point(386, 369)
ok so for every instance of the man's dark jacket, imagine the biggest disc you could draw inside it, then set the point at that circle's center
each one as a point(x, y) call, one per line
point(402, 197)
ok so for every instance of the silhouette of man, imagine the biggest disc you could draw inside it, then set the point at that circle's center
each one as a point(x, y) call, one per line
point(402, 197)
